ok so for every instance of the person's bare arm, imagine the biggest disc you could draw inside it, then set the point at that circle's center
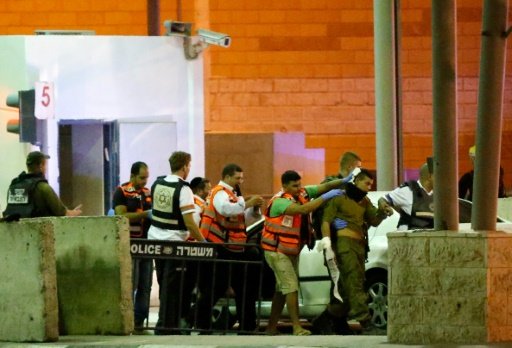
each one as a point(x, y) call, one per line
point(192, 227)
point(338, 183)
point(75, 211)
point(133, 216)
point(295, 209)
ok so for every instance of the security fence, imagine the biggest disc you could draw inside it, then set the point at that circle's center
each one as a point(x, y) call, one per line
point(204, 287)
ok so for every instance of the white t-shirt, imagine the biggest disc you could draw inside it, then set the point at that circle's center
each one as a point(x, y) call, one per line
point(186, 206)
point(401, 198)
point(198, 210)
point(224, 206)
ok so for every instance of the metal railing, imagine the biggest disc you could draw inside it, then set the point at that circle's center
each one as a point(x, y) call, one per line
point(202, 283)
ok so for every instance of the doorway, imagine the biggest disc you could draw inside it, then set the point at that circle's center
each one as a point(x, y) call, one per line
point(95, 156)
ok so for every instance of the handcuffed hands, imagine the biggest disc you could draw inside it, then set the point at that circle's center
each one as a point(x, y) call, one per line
point(339, 224)
point(332, 193)
point(325, 243)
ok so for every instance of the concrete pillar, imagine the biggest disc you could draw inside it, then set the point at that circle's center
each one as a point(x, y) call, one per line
point(385, 94)
point(94, 275)
point(28, 290)
point(449, 288)
point(489, 122)
point(444, 89)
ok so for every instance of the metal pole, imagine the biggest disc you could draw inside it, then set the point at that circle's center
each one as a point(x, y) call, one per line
point(179, 11)
point(153, 11)
point(489, 122)
point(444, 89)
point(398, 82)
point(385, 98)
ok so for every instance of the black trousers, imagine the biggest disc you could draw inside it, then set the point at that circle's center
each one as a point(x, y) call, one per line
point(176, 279)
point(214, 280)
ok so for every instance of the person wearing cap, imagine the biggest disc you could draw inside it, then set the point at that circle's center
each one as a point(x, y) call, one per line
point(466, 181)
point(414, 201)
point(30, 195)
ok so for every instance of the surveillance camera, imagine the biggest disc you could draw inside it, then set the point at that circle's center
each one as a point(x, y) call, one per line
point(214, 38)
point(175, 28)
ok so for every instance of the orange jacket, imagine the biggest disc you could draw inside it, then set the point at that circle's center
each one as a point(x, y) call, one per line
point(217, 228)
point(282, 233)
point(200, 203)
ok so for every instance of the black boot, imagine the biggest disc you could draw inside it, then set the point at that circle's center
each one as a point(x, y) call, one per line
point(328, 324)
point(323, 324)
point(341, 326)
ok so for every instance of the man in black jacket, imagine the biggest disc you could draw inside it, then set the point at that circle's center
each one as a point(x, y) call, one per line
point(30, 195)
point(414, 200)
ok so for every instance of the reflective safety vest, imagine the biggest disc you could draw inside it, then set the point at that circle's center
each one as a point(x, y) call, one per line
point(217, 228)
point(282, 233)
point(166, 204)
point(137, 201)
point(200, 203)
point(20, 195)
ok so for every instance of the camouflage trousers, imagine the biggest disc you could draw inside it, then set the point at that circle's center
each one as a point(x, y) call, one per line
point(350, 256)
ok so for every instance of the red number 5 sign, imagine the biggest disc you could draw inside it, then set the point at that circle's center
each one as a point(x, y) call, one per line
point(44, 103)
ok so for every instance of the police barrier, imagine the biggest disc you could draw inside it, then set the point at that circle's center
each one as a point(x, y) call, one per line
point(197, 283)
point(144, 248)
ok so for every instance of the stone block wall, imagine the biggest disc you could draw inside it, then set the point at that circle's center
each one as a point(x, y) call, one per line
point(449, 287)
point(94, 275)
point(28, 291)
point(499, 287)
point(68, 276)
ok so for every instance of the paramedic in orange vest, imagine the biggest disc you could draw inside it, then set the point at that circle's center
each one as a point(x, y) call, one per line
point(223, 222)
point(287, 229)
point(133, 200)
point(201, 188)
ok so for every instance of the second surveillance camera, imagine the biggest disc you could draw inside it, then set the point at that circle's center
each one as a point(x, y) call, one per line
point(214, 38)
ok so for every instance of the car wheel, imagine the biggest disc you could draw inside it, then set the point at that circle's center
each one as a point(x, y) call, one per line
point(377, 285)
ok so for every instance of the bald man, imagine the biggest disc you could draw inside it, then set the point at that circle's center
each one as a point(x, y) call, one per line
point(414, 200)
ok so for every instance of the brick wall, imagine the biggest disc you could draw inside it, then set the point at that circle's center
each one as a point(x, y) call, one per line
point(302, 66)
point(106, 17)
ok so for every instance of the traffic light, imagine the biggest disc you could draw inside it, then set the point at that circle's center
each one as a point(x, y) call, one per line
point(30, 129)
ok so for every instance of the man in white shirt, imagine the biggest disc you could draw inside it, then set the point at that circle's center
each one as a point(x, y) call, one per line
point(172, 219)
point(414, 200)
point(223, 222)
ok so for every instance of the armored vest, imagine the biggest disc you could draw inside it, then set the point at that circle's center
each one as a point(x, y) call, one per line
point(166, 204)
point(421, 202)
point(20, 195)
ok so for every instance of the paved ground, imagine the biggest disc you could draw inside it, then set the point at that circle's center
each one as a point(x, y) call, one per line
point(283, 341)
point(220, 341)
